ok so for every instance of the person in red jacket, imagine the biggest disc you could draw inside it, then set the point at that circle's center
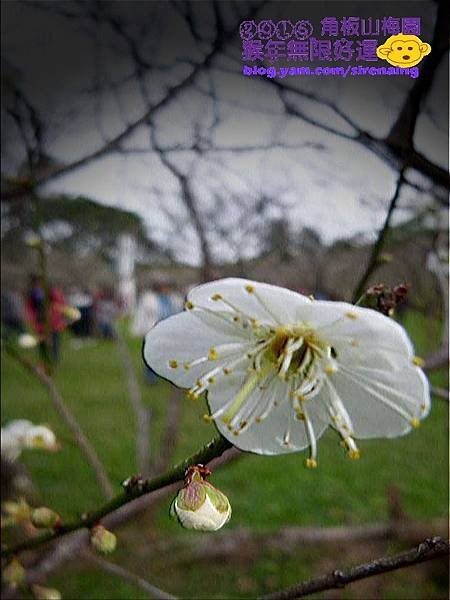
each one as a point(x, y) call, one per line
point(35, 311)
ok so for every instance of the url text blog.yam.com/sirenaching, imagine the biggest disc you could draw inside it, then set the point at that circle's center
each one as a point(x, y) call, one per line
point(359, 71)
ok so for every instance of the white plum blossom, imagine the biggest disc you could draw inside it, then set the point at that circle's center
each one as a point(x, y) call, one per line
point(279, 367)
point(21, 433)
point(26, 340)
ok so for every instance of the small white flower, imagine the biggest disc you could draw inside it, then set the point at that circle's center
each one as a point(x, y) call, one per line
point(40, 436)
point(279, 368)
point(21, 433)
point(26, 340)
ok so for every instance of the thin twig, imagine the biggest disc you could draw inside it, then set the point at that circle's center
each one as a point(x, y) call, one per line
point(171, 432)
point(289, 539)
point(68, 547)
point(142, 413)
point(114, 569)
point(68, 418)
point(377, 247)
point(440, 392)
point(429, 549)
point(211, 450)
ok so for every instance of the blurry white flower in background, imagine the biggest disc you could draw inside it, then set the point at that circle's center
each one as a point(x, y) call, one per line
point(26, 340)
point(21, 433)
point(280, 368)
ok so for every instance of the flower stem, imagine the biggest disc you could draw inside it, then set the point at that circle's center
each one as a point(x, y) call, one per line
point(211, 450)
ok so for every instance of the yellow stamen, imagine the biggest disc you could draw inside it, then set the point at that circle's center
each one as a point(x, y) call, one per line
point(354, 343)
point(192, 395)
point(250, 289)
point(212, 354)
point(415, 423)
point(211, 380)
point(310, 463)
point(207, 418)
point(187, 366)
point(226, 371)
point(351, 315)
point(330, 369)
point(216, 297)
point(354, 454)
point(173, 364)
point(419, 362)
point(189, 305)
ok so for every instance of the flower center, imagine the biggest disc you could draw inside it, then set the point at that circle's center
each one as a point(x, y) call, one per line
point(294, 350)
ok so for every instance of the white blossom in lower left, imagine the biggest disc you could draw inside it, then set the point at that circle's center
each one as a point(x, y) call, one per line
point(21, 433)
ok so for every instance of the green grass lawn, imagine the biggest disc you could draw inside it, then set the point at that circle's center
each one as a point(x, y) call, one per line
point(266, 493)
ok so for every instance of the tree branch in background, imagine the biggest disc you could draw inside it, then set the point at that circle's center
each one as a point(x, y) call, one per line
point(68, 418)
point(222, 38)
point(114, 569)
point(169, 440)
point(429, 549)
point(67, 548)
point(132, 491)
point(142, 413)
point(377, 247)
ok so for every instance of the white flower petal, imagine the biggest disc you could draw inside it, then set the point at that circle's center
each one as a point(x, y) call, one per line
point(382, 403)
point(340, 324)
point(267, 436)
point(267, 303)
point(184, 338)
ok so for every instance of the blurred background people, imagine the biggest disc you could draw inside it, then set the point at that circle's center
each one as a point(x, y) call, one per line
point(105, 310)
point(84, 302)
point(35, 313)
point(159, 301)
point(12, 313)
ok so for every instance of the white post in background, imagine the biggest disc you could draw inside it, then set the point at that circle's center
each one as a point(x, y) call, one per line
point(125, 269)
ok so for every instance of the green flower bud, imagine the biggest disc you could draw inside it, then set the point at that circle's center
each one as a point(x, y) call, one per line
point(14, 573)
point(45, 518)
point(44, 593)
point(199, 505)
point(103, 540)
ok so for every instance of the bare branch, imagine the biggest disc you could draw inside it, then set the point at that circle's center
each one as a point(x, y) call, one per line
point(114, 569)
point(169, 440)
point(142, 413)
point(429, 549)
point(68, 418)
point(377, 247)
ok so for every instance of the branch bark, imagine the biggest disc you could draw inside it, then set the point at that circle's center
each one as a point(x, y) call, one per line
point(114, 569)
point(429, 549)
point(377, 247)
point(142, 413)
point(68, 418)
point(211, 450)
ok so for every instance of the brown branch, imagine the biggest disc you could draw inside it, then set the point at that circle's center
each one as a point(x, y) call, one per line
point(67, 548)
point(135, 490)
point(115, 143)
point(142, 413)
point(436, 360)
point(289, 539)
point(114, 569)
point(378, 246)
point(440, 392)
point(429, 549)
point(169, 440)
point(68, 418)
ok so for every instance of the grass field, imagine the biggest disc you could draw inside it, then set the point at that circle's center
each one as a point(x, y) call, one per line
point(266, 493)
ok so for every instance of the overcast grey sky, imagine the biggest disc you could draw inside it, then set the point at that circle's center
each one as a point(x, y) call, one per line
point(80, 79)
